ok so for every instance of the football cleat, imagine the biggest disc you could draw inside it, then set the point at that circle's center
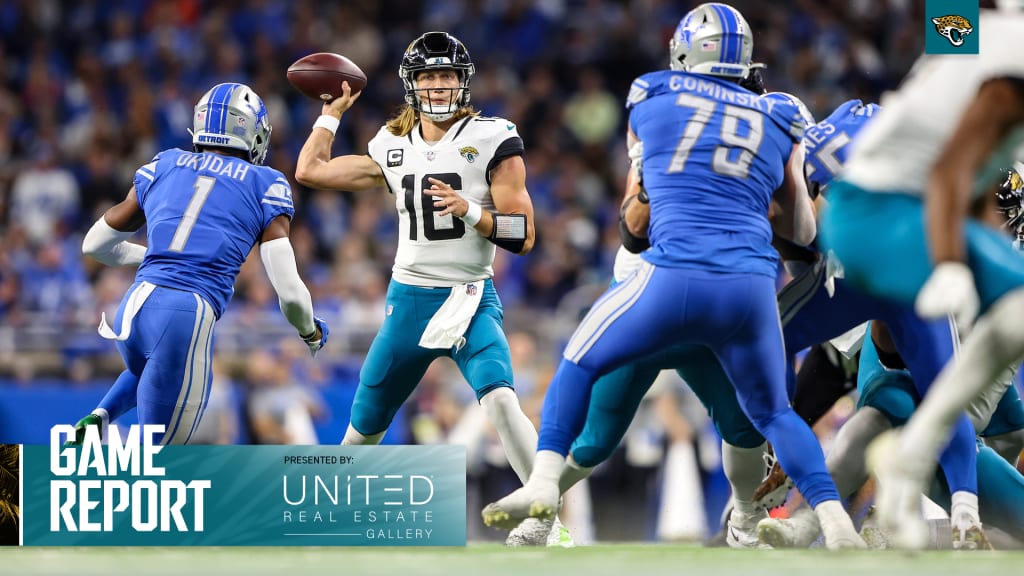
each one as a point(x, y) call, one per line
point(800, 531)
point(559, 536)
point(775, 487)
point(537, 500)
point(969, 535)
point(898, 495)
point(741, 532)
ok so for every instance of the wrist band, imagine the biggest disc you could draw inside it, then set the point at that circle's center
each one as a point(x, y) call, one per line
point(473, 214)
point(327, 122)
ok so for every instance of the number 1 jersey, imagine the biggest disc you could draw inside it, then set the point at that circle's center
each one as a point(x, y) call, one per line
point(204, 213)
point(442, 250)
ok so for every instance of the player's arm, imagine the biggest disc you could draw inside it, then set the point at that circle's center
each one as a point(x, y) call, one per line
point(792, 214)
point(107, 240)
point(293, 296)
point(996, 110)
point(511, 225)
point(635, 212)
point(316, 169)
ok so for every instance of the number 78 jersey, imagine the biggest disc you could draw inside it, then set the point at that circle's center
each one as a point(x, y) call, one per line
point(442, 250)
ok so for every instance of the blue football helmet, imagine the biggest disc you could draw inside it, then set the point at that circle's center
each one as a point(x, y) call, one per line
point(437, 51)
point(232, 116)
point(712, 39)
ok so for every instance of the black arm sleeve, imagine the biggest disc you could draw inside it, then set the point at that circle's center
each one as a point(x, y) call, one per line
point(631, 243)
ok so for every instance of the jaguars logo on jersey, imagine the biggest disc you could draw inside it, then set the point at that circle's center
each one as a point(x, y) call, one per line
point(953, 28)
point(469, 153)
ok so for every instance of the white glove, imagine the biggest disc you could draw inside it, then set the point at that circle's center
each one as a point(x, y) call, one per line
point(949, 291)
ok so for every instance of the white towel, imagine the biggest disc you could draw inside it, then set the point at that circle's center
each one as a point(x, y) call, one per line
point(449, 323)
point(851, 341)
point(135, 302)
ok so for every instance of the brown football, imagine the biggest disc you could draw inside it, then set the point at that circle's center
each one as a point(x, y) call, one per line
point(320, 75)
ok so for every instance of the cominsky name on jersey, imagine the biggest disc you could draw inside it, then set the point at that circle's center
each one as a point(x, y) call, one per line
point(683, 82)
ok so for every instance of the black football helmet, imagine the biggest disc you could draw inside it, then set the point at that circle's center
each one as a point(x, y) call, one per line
point(437, 51)
point(1009, 196)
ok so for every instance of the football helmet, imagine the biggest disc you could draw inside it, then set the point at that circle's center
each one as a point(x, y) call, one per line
point(437, 51)
point(712, 39)
point(1009, 197)
point(231, 115)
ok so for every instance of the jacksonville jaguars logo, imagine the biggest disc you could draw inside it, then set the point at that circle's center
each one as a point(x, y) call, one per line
point(469, 153)
point(953, 28)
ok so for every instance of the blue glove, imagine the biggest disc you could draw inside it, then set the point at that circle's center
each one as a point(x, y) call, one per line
point(316, 344)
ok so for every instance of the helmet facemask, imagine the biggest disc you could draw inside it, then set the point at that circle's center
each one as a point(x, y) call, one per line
point(436, 51)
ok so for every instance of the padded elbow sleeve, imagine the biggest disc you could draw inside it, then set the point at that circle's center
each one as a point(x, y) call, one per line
point(630, 242)
point(509, 232)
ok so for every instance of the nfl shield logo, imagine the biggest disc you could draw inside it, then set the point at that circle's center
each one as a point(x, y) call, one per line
point(430, 155)
point(471, 289)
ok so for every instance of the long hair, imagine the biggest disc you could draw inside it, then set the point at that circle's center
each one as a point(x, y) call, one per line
point(402, 122)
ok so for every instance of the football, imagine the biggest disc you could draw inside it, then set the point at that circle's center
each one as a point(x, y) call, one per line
point(320, 75)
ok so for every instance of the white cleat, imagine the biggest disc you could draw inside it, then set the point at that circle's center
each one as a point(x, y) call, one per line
point(968, 534)
point(837, 528)
point(534, 532)
point(898, 495)
point(741, 531)
point(800, 531)
point(534, 500)
point(559, 536)
point(874, 535)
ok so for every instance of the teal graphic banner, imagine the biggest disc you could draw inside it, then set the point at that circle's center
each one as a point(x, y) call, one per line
point(951, 27)
point(141, 495)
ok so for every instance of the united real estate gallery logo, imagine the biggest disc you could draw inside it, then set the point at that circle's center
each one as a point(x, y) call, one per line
point(129, 491)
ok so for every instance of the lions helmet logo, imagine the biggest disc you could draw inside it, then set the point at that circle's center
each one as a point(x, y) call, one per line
point(469, 153)
point(953, 28)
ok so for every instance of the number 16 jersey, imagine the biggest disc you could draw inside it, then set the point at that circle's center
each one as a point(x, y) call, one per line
point(442, 250)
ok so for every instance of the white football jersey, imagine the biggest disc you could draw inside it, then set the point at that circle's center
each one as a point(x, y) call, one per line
point(435, 250)
point(896, 151)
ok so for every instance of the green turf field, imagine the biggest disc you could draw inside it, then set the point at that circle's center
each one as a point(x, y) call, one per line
point(495, 560)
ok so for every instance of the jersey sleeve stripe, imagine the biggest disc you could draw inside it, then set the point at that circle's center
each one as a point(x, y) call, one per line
point(277, 203)
point(149, 176)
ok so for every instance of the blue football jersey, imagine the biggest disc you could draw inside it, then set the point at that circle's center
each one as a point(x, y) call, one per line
point(827, 141)
point(713, 155)
point(204, 213)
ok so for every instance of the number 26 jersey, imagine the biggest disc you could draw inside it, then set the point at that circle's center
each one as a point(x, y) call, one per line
point(442, 250)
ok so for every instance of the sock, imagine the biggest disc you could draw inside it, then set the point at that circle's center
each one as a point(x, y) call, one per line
point(744, 468)
point(104, 420)
point(565, 408)
point(572, 474)
point(547, 467)
point(994, 342)
point(831, 513)
point(846, 458)
point(964, 504)
point(354, 438)
point(518, 436)
point(122, 396)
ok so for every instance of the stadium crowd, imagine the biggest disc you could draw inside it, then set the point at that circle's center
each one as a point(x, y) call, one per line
point(90, 90)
